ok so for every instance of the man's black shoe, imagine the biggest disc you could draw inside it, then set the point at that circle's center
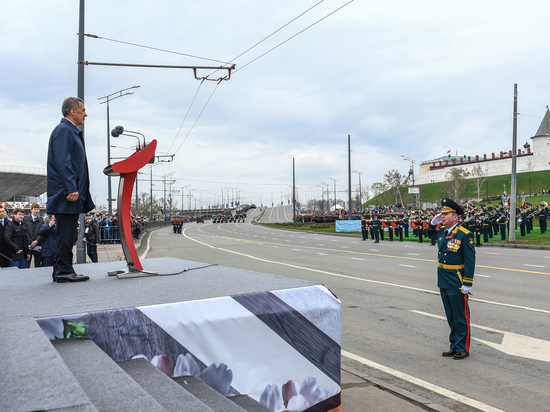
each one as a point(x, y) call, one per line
point(461, 355)
point(449, 353)
point(70, 278)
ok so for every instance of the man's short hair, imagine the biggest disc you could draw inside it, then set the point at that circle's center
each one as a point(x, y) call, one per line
point(3, 208)
point(35, 206)
point(70, 103)
point(18, 210)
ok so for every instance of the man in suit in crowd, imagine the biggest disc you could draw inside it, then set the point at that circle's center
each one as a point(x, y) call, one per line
point(4, 260)
point(32, 224)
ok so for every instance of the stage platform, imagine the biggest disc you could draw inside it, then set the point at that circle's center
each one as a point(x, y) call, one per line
point(272, 338)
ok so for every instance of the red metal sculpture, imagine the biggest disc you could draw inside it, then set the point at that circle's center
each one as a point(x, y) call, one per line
point(127, 169)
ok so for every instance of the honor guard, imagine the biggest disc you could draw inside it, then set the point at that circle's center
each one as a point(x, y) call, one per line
point(543, 212)
point(364, 232)
point(502, 222)
point(375, 224)
point(455, 275)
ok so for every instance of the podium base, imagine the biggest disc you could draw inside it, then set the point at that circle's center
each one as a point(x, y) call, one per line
point(131, 273)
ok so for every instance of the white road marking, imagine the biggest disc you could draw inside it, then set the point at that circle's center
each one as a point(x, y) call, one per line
point(319, 253)
point(359, 279)
point(344, 247)
point(414, 254)
point(412, 247)
point(492, 253)
point(357, 259)
point(407, 266)
point(419, 382)
point(483, 276)
point(533, 266)
point(374, 250)
point(296, 250)
point(512, 343)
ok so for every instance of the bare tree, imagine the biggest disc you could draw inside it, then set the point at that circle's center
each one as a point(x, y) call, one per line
point(144, 204)
point(479, 178)
point(456, 184)
point(393, 180)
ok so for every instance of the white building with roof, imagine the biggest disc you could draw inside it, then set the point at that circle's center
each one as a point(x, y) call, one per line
point(22, 178)
point(532, 157)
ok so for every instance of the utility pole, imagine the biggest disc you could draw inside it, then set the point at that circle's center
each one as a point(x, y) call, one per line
point(349, 177)
point(80, 251)
point(334, 180)
point(293, 191)
point(512, 232)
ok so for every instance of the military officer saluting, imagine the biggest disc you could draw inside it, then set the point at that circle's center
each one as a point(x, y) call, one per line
point(455, 274)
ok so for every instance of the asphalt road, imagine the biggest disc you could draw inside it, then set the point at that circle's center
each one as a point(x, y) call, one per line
point(393, 325)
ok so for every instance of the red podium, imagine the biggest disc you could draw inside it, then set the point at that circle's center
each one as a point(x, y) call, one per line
point(127, 169)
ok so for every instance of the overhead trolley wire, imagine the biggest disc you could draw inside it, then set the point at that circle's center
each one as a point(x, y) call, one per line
point(297, 34)
point(225, 63)
point(93, 36)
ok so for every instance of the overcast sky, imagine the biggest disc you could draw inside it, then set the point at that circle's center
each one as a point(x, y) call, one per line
point(402, 78)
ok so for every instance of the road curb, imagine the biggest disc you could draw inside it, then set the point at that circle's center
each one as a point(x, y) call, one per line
point(401, 393)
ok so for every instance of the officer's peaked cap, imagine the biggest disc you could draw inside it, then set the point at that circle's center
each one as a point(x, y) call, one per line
point(448, 205)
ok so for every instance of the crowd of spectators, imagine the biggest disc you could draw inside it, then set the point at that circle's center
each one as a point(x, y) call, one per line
point(28, 237)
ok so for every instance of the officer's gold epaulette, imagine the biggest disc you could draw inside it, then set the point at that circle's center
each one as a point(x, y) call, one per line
point(463, 229)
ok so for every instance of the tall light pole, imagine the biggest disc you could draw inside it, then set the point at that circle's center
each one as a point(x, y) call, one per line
point(334, 180)
point(411, 172)
point(360, 200)
point(328, 201)
point(182, 192)
point(107, 99)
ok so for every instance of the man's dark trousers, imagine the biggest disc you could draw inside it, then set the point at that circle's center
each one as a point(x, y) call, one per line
point(92, 252)
point(66, 232)
point(457, 311)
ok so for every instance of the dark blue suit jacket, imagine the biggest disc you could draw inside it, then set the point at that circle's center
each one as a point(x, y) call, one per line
point(48, 234)
point(68, 171)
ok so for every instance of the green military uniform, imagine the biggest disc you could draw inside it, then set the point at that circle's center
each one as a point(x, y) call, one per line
point(375, 224)
point(542, 218)
point(485, 228)
point(496, 216)
point(502, 221)
point(364, 228)
point(456, 266)
point(523, 216)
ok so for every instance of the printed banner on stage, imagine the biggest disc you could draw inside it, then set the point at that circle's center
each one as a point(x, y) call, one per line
point(281, 348)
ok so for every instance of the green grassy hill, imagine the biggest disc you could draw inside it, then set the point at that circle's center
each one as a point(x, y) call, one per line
point(493, 187)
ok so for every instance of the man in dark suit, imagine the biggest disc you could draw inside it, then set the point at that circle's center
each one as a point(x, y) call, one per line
point(4, 261)
point(32, 224)
point(456, 262)
point(68, 186)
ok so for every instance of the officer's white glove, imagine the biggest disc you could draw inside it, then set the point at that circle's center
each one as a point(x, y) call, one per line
point(465, 289)
point(436, 220)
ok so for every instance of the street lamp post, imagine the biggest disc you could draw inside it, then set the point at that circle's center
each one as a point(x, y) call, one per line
point(108, 98)
point(360, 200)
point(411, 172)
point(334, 180)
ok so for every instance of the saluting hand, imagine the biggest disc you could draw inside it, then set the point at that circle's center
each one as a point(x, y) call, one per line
point(436, 220)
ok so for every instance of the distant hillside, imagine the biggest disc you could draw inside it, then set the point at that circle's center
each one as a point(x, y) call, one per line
point(494, 187)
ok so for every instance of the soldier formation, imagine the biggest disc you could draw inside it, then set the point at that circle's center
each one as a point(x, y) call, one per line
point(485, 221)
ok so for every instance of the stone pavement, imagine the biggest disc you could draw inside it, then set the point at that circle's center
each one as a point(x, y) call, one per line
point(360, 392)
